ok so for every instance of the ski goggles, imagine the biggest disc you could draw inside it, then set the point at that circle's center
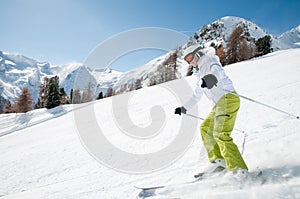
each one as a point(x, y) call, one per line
point(189, 57)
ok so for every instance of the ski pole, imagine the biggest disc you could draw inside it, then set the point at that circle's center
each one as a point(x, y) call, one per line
point(263, 104)
point(194, 116)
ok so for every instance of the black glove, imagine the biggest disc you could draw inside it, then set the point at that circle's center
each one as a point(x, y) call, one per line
point(209, 81)
point(180, 110)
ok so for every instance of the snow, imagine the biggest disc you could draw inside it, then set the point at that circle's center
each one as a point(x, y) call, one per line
point(43, 156)
point(230, 23)
point(290, 39)
point(9, 62)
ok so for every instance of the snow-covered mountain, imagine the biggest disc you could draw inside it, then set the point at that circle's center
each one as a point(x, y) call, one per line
point(289, 39)
point(219, 31)
point(18, 71)
point(42, 155)
point(78, 79)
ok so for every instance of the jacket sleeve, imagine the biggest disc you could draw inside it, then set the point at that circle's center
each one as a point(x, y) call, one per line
point(216, 68)
point(218, 72)
point(195, 98)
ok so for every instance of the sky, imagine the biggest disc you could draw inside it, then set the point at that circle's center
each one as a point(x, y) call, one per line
point(63, 31)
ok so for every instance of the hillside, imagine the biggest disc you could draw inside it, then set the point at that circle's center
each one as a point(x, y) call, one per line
point(47, 156)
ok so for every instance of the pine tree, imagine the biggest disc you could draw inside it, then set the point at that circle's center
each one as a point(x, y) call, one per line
point(43, 93)
point(63, 96)
point(38, 104)
point(138, 84)
point(24, 102)
point(152, 80)
point(71, 96)
point(100, 95)
point(264, 45)
point(53, 98)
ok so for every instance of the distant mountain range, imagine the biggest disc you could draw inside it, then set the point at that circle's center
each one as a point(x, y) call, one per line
point(18, 71)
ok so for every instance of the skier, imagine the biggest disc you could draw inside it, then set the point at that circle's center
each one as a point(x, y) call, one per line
point(218, 125)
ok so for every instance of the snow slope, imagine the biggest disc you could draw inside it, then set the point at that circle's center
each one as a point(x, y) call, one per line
point(46, 158)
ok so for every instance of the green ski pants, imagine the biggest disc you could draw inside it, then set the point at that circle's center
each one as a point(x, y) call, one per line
point(216, 130)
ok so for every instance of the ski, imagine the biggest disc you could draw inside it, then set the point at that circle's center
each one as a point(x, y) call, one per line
point(150, 191)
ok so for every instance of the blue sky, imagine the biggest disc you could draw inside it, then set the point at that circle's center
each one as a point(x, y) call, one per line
point(62, 31)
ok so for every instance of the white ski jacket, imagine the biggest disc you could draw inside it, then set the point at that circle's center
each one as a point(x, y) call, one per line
point(210, 64)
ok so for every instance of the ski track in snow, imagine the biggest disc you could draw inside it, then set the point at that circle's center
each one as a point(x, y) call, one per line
point(42, 156)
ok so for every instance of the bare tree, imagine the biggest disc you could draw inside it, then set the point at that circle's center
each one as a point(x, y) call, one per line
point(1, 108)
point(8, 107)
point(24, 102)
point(240, 46)
point(220, 52)
point(245, 51)
point(77, 97)
point(233, 44)
point(109, 92)
point(87, 95)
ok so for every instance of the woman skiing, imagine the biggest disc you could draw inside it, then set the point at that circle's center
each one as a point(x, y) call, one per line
point(218, 125)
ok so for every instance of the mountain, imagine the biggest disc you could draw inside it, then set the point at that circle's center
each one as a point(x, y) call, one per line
point(289, 39)
point(219, 31)
point(81, 73)
point(106, 78)
point(43, 156)
point(18, 71)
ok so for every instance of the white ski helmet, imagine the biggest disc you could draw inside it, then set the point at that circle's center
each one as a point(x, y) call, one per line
point(193, 50)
